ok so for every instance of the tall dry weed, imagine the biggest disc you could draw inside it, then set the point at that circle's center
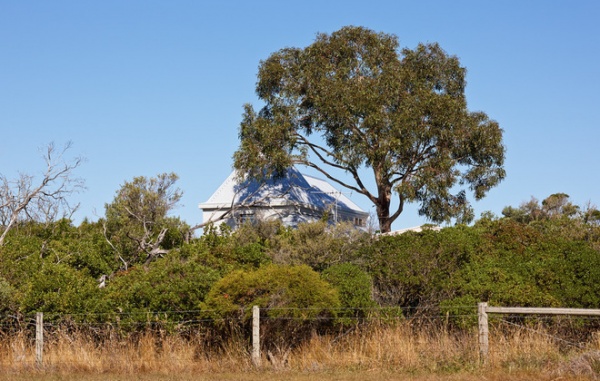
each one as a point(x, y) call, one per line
point(152, 352)
point(401, 347)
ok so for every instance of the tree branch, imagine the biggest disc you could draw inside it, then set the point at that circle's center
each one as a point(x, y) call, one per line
point(50, 194)
point(315, 149)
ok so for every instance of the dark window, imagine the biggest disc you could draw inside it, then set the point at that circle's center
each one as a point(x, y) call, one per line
point(246, 218)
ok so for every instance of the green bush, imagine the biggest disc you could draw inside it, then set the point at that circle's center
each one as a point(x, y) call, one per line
point(417, 270)
point(526, 264)
point(7, 297)
point(224, 251)
point(318, 245)
point(294, 301)
point(283, 291)
point(60, 289)
point(354, 287)
point(170, 286)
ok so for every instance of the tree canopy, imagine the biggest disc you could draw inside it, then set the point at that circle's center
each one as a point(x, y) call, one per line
point(137, 224)
point(352, 101)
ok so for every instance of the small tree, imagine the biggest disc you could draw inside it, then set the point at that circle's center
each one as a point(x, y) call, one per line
point(556, 205)
point(137, 224)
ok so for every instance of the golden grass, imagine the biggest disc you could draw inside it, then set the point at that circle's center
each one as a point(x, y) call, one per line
point(395, 352)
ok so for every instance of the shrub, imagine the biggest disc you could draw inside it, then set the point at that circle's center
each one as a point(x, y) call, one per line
point(60, 289)
point(294, 302)
point(224, 251)
point(417, 270)
point(171, 285)
point(7, 297)
point(354, 287)
point(318, 245)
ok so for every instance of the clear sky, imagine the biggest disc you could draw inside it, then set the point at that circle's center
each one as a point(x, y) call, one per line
point(145, 87)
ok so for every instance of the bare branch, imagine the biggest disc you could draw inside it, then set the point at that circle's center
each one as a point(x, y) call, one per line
point(22, 199)
point(118, 253)
point(319, 151)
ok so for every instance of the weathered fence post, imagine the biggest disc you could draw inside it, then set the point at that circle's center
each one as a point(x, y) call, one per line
point(256, 336)
point(39, 338)
point(483, 332)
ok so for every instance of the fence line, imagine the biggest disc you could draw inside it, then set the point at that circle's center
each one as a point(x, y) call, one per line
point(483, 309)
point(483, 324)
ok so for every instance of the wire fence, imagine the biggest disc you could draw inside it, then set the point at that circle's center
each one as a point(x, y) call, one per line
point(348, 316)
point(192, 337)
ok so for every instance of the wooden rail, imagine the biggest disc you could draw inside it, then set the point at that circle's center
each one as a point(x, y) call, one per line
point(483, 309)
point(542, 311)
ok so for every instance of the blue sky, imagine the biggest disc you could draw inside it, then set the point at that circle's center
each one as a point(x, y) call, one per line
point(145, 87)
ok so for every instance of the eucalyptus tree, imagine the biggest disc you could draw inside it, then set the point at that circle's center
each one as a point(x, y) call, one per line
point(352, 104)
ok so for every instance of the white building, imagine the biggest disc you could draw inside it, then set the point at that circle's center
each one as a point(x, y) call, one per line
point(294, 199)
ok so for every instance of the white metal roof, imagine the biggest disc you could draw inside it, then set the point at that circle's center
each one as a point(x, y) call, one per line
point(294, 189)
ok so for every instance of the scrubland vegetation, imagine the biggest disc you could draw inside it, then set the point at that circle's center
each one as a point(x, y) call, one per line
point(333, 299)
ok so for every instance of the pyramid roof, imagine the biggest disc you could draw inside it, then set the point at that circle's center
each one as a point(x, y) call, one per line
point(294, 188)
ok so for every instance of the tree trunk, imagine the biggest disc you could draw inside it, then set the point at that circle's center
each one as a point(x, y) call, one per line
point(383, 208)
point(383, 215)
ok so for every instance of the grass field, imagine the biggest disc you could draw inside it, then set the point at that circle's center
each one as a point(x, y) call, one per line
point(295, 376)
point(400, 352)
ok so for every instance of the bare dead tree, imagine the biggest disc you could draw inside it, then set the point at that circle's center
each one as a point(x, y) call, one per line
point(31, 198)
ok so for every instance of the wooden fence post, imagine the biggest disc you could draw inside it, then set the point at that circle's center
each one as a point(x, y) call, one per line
point(483, 332)
point(39, 338)
point(256, 336)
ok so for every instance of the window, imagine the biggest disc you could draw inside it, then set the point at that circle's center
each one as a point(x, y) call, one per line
point(246, 218)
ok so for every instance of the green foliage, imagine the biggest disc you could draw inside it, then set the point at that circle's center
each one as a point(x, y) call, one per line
point(531, 265)
point(20, 257)
point(354, 287)
point(554, 206)
point(294, 302)
point(417, 269)
point(137, 223)
point(284, 291)
point(353, 99)
point(60, 289)
point(171, 284)
point(552, 259)
point(8, 298)
point(227, 252)
point(318, 245)
point(83, 248)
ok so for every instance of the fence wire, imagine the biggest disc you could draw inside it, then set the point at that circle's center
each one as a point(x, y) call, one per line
point(194, 332)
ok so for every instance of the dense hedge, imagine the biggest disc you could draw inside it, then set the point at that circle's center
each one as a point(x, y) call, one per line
point(552, 261)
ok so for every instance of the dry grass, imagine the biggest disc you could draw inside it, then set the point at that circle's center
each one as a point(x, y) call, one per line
point(291, 376)
point(376, 353)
